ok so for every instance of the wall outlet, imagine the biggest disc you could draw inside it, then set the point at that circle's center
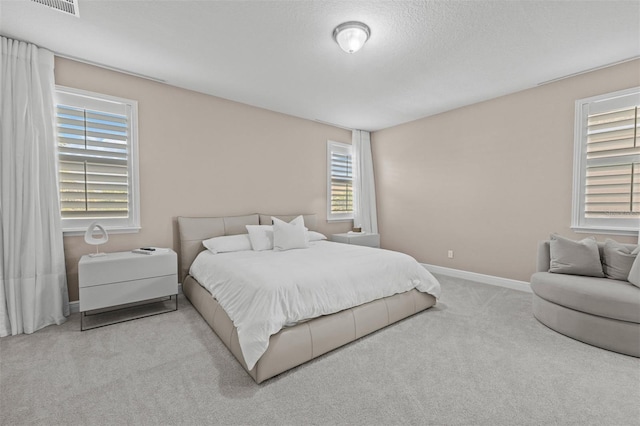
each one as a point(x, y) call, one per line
point(450, 254)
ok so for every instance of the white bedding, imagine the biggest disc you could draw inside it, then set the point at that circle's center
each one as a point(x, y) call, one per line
point(263, 291)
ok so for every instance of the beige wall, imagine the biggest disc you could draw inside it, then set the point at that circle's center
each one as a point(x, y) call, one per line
point(205, 156)
point(489, 180)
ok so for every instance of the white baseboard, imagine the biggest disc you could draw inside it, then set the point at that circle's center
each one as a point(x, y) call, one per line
point(74, 307)
point(481, 278)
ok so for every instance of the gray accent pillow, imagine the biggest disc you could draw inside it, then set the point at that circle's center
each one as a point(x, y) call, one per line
point(634, 274)
point(617, 260)
point(575, 257)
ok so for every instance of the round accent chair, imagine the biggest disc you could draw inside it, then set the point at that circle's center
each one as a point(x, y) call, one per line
point(602, 312)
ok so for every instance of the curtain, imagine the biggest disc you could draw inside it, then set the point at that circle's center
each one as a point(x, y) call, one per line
point(33, 293)
point(365, 215)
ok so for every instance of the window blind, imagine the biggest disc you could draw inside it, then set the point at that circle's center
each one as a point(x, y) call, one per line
point(612, 180)
point(341, 183)
point(93, 149)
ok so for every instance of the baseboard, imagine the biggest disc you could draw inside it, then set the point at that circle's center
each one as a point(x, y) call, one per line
point(74, 307)
point(481, 278)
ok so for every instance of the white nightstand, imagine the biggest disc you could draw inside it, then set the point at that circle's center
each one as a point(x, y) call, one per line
point(369, 240)
point(120, 278)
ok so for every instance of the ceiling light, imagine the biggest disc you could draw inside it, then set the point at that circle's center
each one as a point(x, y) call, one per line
point(351, 36)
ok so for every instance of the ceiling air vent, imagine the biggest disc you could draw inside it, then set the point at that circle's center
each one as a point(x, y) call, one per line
point(64, 6)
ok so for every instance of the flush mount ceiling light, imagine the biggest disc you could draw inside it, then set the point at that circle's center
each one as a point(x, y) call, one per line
point(351, 36)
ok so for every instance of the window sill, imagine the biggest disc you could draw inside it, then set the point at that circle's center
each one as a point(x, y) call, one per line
point(342, 219)
point(604, 230)
point(81, 231)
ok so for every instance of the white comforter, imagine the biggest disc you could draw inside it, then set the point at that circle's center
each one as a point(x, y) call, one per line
point(263, 291)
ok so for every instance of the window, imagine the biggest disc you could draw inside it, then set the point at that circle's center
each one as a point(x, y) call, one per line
point(606, 193)
point(340, 181)
point(97, 161)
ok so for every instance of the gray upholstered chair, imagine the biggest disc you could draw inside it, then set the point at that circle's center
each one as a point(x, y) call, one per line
point(602, 312)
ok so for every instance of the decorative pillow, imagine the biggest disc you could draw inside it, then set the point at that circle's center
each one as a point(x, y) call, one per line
point(617, 260)
point(575, 257)
point(634, 274)
point(228, 243)
point(287, 236)
point(315, 236)
point(261, 237)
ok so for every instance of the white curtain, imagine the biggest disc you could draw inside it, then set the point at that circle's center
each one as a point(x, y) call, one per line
point(365, 215)
point(33, 293)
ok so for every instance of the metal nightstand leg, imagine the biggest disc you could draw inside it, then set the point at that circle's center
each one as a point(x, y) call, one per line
point(83, 314)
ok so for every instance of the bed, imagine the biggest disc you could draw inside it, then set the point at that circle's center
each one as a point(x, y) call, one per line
point(297, 343)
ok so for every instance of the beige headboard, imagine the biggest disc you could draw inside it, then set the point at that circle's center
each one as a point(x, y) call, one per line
point(194, 230)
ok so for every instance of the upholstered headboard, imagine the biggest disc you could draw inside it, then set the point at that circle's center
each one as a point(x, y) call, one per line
point(194, 230)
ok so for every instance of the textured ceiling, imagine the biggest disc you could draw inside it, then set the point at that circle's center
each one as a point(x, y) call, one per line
point(423, 57)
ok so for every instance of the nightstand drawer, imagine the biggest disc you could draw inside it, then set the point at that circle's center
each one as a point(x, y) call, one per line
point(124, 266)
point(119, 293)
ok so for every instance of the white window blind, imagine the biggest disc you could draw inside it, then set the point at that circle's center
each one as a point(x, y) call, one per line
point(340, 182)
point(607, 175)
point(97, 160)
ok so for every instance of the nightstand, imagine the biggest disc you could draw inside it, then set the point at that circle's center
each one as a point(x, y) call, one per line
point(360, 239)
point(122, 278)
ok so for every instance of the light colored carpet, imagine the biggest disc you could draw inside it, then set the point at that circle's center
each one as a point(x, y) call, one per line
point(479, 357)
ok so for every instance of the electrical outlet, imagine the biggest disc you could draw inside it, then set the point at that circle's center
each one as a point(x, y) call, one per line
point(450, 254)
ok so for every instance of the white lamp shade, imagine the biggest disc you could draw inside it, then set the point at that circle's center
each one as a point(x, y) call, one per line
point(351, 36)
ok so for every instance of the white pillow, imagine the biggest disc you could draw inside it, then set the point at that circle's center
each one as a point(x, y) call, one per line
point(287, 236)
point(228, 243)
point(315, 236)
point(261, 237)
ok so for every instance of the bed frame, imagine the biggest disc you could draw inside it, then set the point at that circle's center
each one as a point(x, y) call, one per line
point(295, 345)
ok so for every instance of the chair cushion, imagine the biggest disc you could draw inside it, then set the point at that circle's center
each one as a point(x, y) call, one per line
point(575, 257)
point(617, 260)
point(597, 296)
point(634, 273)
